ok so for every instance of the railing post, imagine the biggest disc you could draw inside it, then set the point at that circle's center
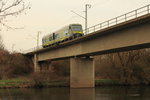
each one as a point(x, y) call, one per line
point(116, 20)
point(87, 31)
point(135, 13)
point(94, 28)
point(100, 26)
point(125, 17)
point(108, 23)
point(148, 9)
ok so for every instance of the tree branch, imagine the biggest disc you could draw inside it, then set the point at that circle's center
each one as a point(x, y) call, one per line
point(11, 8)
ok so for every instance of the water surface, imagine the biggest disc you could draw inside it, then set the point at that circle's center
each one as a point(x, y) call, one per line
point(101, 93)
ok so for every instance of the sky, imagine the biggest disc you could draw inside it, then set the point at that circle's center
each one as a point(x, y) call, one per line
point(47, 16)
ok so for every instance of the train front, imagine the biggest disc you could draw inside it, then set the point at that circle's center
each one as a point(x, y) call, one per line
point(77, 30)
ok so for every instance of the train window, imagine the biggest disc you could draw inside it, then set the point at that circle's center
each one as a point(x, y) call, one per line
point(53, 36)
point(50, 38)
point(76, 28)
point(69, 27)
point(56, 36)
point(43, 40)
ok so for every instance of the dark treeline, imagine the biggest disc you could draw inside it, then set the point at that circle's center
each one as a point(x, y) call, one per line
point(131, 67)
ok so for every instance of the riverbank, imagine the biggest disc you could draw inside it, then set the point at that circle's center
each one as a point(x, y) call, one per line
point(21, 83)
point(18, 83)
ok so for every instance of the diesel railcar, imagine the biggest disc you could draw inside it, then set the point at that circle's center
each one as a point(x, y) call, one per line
point(67, 33)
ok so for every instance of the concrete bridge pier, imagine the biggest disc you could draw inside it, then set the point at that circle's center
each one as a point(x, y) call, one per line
point(41, 66)
point(36, 64)
point(82, 73)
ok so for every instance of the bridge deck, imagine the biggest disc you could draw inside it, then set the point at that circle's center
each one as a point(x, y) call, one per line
point(129, 34)
point(101, 32)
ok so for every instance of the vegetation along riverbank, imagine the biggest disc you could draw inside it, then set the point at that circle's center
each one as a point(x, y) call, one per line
point(126, 68)
point(17, 83)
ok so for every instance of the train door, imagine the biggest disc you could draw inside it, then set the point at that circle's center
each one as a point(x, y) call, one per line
point(53, 36)
point(70, 31)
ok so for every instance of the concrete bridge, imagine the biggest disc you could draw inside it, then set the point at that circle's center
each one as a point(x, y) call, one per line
point(130, 31)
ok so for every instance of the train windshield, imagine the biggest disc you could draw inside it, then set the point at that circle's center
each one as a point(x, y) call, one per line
point(76, 27)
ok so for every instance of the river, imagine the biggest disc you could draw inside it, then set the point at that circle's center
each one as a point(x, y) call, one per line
point(100, 93)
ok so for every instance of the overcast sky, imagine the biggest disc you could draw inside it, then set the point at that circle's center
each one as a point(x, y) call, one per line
point(49, 15)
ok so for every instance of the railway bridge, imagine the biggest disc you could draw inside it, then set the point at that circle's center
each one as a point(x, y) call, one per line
point(130, 31)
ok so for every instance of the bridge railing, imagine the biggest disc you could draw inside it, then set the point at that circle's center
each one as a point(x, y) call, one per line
point(120, 19)
point(117, 20)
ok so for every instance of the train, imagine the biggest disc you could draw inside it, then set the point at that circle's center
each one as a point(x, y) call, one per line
point(68, 32)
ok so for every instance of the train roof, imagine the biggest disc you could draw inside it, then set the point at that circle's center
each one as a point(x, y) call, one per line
point(50, 34)
point(74, 24)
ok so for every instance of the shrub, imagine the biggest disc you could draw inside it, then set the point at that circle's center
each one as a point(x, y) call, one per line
point(13, 65)
point(61, 67)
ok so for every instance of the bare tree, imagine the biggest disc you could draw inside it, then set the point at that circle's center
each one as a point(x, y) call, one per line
point(128, 61)
point(11, 8)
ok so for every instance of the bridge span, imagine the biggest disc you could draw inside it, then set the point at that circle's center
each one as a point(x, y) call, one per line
point(131, 34)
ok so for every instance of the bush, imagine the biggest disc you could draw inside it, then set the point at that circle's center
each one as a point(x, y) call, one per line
point(13, 65)
point(20, 65)
point(132, 67)
point(62, 67)
point(40, 78)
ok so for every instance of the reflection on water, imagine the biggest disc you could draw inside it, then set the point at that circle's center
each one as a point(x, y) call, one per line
point(101, 93)
point(35, 94)
point(123, 93)
point(82, 94)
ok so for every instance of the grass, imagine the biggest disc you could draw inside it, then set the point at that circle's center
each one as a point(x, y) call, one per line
point(18, 82)
point(61, 83)
point(13, 81)
point(101, 82)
